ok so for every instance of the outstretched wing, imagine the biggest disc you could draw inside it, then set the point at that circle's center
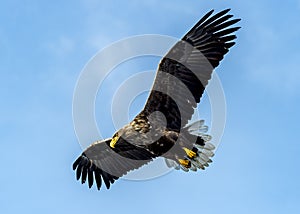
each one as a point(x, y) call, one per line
point(186, 69)
point(100, 163)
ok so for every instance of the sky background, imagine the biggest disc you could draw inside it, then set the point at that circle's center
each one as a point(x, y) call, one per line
point(44, 45)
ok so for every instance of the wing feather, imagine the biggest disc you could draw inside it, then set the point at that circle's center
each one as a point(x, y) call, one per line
point(100, 163)
point(191, 61)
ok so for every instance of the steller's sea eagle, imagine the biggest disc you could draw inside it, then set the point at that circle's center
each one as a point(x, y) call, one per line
point(161, 128)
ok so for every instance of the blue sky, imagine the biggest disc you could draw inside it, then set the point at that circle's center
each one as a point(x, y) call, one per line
point(45, 45)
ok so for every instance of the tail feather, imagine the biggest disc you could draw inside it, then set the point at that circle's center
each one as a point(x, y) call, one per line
point(199, 156)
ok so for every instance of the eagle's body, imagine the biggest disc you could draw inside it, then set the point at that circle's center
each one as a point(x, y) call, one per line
point(161, 128)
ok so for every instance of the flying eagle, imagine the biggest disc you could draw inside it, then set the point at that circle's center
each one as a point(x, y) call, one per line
point(161, 129)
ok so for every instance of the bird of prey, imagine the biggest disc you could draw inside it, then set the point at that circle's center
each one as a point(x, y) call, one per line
point(161, 129)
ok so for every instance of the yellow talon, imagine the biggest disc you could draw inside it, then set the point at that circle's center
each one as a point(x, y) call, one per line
point(190, 153)
point(185, 163)
point(113, 141)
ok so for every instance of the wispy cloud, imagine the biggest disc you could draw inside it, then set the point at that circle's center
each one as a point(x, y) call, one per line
point(270, 59)
point(60, 46)
point(282, 75)
point(265, 42)
point(105, 24)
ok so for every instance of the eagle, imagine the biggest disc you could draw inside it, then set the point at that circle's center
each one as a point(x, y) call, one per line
point(162, 128)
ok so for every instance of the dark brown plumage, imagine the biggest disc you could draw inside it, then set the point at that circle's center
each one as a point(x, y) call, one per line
point(161, 129)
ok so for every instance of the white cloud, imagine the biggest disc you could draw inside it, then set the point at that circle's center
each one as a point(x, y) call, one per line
point(270, 53)
point(61, 46)
point(278, 76)
point(266, 39)
point(106, 24)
